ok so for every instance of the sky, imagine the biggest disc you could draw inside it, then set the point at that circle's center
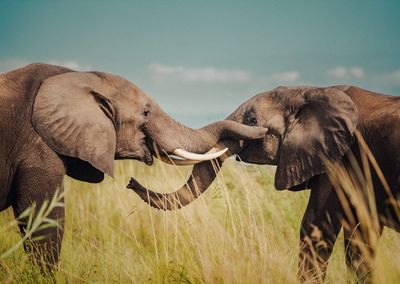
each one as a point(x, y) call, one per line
point(200, 59)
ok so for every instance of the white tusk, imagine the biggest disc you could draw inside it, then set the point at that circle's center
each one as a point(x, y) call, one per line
point(199, 157)
point(181, 162)
point(176, 158)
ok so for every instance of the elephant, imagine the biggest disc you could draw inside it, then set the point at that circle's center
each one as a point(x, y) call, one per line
point(57, 121)
point(312, 132)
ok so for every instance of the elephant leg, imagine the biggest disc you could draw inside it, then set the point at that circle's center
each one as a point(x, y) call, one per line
point(319, 229)
point(34, 184)
point(45, 245)
point(360, 249)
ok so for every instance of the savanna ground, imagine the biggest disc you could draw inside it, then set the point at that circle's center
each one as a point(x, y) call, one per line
point(240, 231)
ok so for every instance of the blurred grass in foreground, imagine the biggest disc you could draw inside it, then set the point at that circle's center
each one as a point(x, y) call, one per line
point(240, 231)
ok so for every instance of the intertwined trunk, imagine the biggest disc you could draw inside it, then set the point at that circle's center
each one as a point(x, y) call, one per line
point(170, 135)
point(202, 176)
point(222, 134)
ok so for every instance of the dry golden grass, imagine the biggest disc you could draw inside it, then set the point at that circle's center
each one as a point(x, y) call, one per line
point(240, 231)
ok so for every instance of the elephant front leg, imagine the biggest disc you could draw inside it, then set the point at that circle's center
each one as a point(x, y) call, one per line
point(44, 245)
point(360, 247)
point(319, 229)
point(35, 187)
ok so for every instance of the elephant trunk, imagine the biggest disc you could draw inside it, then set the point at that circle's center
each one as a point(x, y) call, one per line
point(203, 174)
point(170, 135)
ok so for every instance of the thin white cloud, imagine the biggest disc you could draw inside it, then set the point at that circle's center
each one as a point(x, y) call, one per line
point(357, 72)
point(14, 63)
point(395, 76)
point(283, 77)
point(199, 74)
point(338, 72)
point(342, 72)
point(165, 73)
point(71, 64)
point(391, 78)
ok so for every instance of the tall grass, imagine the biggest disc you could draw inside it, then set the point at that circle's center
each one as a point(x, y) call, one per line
point(240, 231)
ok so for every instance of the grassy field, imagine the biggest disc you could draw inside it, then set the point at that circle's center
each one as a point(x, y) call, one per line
point(240, 231)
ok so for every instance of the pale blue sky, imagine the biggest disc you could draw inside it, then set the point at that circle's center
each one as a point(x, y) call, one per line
point(201, 59)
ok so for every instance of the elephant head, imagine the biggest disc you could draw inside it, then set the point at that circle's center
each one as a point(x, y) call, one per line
point(92, 118)
point(306, 126)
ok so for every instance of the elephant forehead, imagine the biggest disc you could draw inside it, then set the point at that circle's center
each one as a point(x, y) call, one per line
point(131, 99)
point(124, 90)
point(266, 108)
point(132, 107)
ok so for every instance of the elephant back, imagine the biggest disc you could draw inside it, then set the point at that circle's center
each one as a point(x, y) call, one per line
point(24, 82)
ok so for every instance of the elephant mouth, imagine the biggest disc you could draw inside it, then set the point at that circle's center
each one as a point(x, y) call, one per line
point(148, 157)
point(242, 152)
point(146, 154)
point(253, 152)
point(143, 154)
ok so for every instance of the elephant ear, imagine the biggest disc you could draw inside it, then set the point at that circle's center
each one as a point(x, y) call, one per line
point(322, 128)
point(73, 116)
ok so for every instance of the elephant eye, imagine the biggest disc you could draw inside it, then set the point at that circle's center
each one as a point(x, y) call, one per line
point(146, 112)
point(252, 121)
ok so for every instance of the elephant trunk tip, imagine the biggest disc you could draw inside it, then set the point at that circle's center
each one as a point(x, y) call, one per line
point(133, 184)
point(154, 199)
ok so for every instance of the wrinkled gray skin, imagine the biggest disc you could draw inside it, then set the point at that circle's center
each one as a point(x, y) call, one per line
point(55, 120)
point(307, 126)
